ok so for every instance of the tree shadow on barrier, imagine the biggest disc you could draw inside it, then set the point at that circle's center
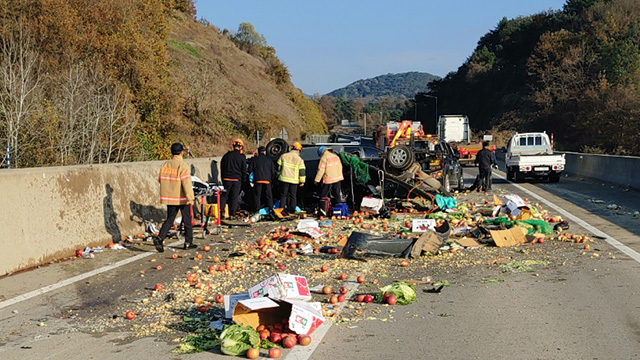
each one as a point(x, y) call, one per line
point(110, 216)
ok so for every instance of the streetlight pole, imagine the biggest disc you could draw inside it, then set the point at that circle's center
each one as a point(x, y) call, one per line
point(434, 97)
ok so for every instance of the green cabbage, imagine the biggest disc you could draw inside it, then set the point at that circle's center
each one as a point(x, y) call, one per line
point(237, 339)
point(405, 293)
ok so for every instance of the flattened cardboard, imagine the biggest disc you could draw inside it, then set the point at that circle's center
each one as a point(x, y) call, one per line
point(230, 302)
point(303, 317)
point(468, 242)
point(432, 244)
point(510, 237)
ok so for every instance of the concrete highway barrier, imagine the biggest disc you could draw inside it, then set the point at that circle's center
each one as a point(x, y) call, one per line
point(620, 170)
point(48, 213)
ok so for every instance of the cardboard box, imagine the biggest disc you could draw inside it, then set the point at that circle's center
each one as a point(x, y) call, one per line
point(303, 317)
point(511, 237)
point(513, 204)
point(423, 225)
point(282, 286)
point(371, 205)
point(230, 302)
point(309, 227)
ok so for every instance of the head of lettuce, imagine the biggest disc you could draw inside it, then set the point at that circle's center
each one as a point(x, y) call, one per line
point(237, 339)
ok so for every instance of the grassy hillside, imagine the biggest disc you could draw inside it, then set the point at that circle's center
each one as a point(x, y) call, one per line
point(227, 92)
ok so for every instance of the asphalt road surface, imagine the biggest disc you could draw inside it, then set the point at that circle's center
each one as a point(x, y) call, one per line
point(566, 303)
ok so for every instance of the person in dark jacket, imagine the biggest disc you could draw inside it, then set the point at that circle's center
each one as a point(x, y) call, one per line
point(264, 172)
point(233, 170)
point(486, 159)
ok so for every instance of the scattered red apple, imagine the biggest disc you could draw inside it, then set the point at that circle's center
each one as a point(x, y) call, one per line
point(275, 337)
point(206, 248)
point(360, 298)
point(253, 353)
point(274, 353)
point(344, 290)
point(327, 290)
point(333, 299)
point(404, 263)
point(304, 340)
point(158, 287)
point(219, 298)
point(324, 268)
point(130, 315)
point(360, 279)
point(174, 256)
point(281, 266)
point(202, 309)
point(289, 342)
point(341, 298)
point(342, 276)
point(391, 300)
point(368, 298)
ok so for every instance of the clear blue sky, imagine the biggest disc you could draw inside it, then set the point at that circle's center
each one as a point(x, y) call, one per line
point(328, 44)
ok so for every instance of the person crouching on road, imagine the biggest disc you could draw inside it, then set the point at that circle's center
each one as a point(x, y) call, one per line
point(291, 172)
point(264, 172)
point(330, 173)
point(176, 191)
point(233, 170)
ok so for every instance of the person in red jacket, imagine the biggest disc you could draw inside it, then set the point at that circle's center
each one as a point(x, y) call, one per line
point(176, 191)
point(233, 170)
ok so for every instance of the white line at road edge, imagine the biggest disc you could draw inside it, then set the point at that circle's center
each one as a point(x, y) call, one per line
point(613, 242)
point(74, 279)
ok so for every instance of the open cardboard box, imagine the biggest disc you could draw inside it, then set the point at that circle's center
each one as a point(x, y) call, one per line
point(510, 237)
point(282, 286)
point(303, 317)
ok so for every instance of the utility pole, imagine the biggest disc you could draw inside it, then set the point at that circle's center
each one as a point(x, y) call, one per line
point(365, 123)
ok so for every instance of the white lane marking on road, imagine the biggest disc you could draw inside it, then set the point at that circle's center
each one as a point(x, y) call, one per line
point(58, 285)
point(612, 241)
point(305, 352)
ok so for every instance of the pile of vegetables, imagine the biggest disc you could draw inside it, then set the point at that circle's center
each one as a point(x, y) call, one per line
point(403, 292)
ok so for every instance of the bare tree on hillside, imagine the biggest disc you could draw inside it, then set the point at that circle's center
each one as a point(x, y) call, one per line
point(19, 84)
point(98, 122)
point(199, 89)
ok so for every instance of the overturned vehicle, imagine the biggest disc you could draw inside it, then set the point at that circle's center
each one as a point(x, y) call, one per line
point(417, 170)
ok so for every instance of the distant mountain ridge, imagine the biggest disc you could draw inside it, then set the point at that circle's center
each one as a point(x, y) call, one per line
point(395, 85)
